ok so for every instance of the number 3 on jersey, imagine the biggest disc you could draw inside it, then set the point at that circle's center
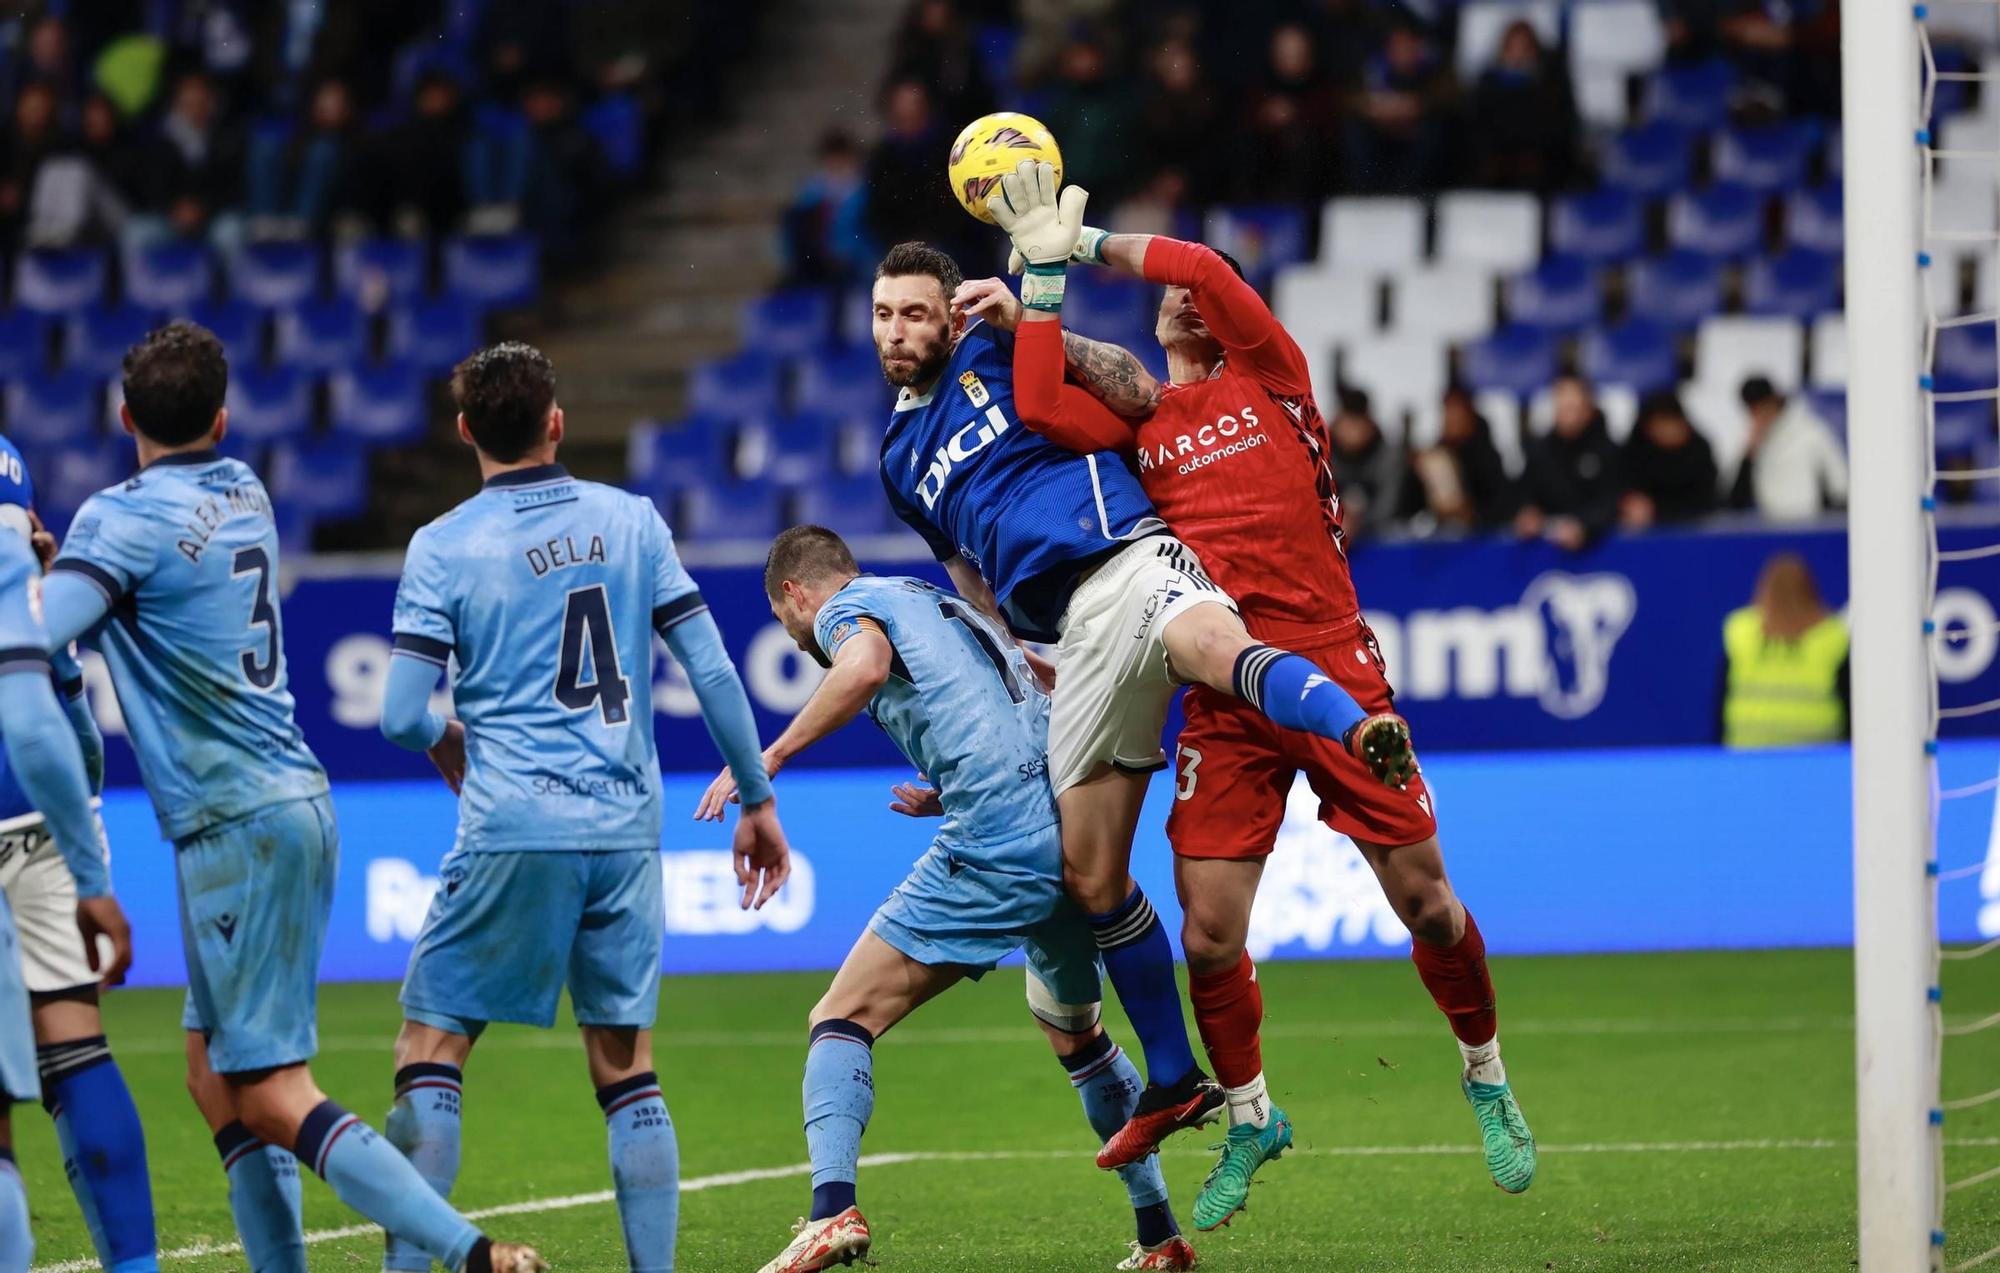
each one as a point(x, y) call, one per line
point(587, 639)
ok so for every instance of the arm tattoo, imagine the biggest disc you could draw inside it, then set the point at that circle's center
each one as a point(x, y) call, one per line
point(1113, 375)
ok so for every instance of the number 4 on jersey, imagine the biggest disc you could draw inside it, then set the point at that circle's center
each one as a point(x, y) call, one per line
point(587, 639)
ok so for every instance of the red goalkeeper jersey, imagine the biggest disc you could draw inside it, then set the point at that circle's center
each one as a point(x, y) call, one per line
point(1238, 464)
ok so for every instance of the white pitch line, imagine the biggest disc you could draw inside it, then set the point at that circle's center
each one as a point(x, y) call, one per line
point(568, 1202)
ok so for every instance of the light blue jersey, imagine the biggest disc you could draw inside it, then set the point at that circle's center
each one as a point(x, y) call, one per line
point(186, 556)
point(544, 592)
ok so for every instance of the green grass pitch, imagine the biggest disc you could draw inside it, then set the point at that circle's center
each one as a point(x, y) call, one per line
point(1695, 1112)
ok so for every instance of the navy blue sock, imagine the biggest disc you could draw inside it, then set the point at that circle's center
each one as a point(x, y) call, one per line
point(839, 1099)
point(104, 1149)
point(1140, 961)
point(1295, 694)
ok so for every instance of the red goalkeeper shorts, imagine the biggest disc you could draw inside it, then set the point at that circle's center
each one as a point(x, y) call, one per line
point(1234, 768)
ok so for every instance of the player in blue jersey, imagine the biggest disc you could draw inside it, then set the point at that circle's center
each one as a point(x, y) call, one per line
point(103, 1144)
point(46, 765)
point(958, 698)
point(1067, 548)
point(545, 593)
point(176, 570)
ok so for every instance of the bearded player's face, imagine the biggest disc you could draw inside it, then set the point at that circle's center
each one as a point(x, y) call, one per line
point(913, 328)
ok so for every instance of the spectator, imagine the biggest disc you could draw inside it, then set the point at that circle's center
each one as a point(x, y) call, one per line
point(907, 198)
point(935, 47)
point(1179, 119)
point(1159, 207)
point(1522, 121)
point(1367, 467)
point(1395, 131)
point(822, 231)
point(420, 162)
point(47, 56)
point(1793, 468)
point(113, 152)
point(33, 140)
point(1669, 468)
point(1571, 486)
point(1095, 117)
point(198, 166)
point(303, 179)
point(1461, 482)
point(1293, 115)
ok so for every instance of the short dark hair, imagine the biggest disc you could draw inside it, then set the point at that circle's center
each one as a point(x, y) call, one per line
point(1757, 391)
point(175, 382)
point(921, 258)
point(1231, 261)
point(807, 553)
point(505, 393)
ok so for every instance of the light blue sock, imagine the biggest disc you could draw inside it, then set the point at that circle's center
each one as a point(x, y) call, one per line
point(264, 1199)
point(1295, 694)
point(17, 1243)
point(104, 1150)
point(839, 1098)
point(645, 1169)
point(368, 1173)
point(1109, 1084)
point(424, 1123)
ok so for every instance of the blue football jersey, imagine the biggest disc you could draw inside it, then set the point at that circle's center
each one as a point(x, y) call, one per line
point(187, 555)
point(543, 592)
point(960, 703)
point(1030, 516)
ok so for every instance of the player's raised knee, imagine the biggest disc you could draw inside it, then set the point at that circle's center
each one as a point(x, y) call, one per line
point(1204, 643)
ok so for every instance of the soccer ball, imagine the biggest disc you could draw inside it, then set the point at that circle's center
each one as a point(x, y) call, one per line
point(991, 147)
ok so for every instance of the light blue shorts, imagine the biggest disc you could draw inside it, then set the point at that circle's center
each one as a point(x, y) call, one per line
point(18, 1077)
point(507, 930)
point(255, 895)
point(950, 911)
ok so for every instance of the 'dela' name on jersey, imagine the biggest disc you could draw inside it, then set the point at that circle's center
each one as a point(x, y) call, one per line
point(969, 441)
point(561, 554)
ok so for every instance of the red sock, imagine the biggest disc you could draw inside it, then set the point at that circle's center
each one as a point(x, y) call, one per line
point(1456, 977)
point(1228, 1010)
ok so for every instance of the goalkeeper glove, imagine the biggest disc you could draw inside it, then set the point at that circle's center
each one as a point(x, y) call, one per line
point(1045, 228)
point(1089, 250)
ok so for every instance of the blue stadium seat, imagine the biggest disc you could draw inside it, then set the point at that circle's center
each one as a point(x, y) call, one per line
point(1515, 359)
point(1262, 237)
point(379, 272)
point(740, 387)
point(24, 343)
point(327, 477)
point(753, 509)
point(237, 324)
point(1638, 353)
point(58, 280)
point(169, 275)
point(1813, 218)
point(1696, 96)
point(790, 449)
point(493, 271)
point(1768, 158)
point(847, 504)
point(295, 528)
point(322, 334)
point(270, 404)
point(1831, 405)
point(1651, 160)
point(1723, 221)
point(1679, 288)
point(1099, 301)
point(434, 334)
point(380, 403)
point(70, 473)
point(99, 336)
point(1969, 352)
point(1796, 283)
point(1961, 426)
point(274, 275)
point(686, 452)
point(845, 383)
point(620, 131)
point(1605, 226)
point(58, 407)
point(795, 321)
point(1560, 294)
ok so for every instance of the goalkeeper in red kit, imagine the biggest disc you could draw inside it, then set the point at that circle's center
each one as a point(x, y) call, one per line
point(1235, 456)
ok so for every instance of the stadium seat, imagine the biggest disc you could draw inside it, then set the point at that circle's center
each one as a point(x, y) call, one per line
point(58, 280)
point(684, 453)
point(1813, 218)
point(1561, 295)
point(1320, 306)
point(1694, 96)
point(1099, 301)
point(68, 474)
point(1500, 230)
point(1401, 374)
point(325, 477)
point(1679, 288)
point(1964, 352)
point(274, 275)
point(790, 449)
point(1502, 412)
point(269, 404)
point(1482, 23)
point(1832, 153)
point(1716, 409)
point(99, 336)
point(433, 334)
point(843, 383)
point(1962, 201)
point(239, 326)
point(321, 334)
point(379, 404)
point(1827, 350)
point(1516, 360)
point(850, 504)
point(53, 407)
point(1619, 405)
point(1796, 283)
point(493, 271)
point(1652, 160)
point(379, 272)
point(1729, 350)
point(752, 509)
point(618, 127)
point(795, 321)
point(1609, 41)
point(1960, 425)
point(1445, 302)
point(24, 343)
point(1766, 159)
point(1604, 226)
point(1637, 353)
point(1262, 238)
point(1831, 406)
point(1371, 235)
point(1724, 221)
point(740, 387)
point(170, 276)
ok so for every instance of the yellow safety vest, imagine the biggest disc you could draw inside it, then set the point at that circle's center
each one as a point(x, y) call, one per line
point(1782, 693)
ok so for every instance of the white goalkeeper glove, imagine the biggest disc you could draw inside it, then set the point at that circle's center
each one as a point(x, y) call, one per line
point(1089, 250)
point(1045, 228)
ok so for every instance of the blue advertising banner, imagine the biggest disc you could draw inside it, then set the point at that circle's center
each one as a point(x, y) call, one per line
point(1633, 849)
point(1490, 643)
